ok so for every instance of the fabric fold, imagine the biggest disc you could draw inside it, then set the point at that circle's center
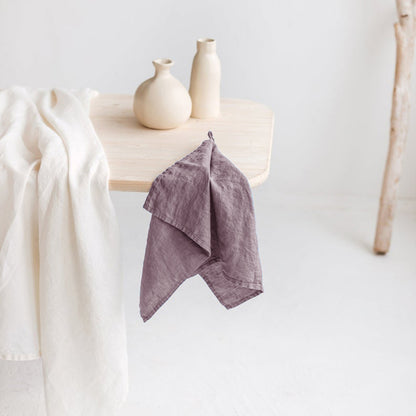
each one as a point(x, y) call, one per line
point(202, 223)
point(60, 279)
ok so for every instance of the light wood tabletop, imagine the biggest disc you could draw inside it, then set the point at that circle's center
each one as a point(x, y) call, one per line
point(137, 155)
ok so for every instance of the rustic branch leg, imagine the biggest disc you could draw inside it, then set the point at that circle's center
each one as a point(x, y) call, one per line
point(405, 31)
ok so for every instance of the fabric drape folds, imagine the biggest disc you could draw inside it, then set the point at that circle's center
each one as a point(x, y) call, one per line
point(60, 280)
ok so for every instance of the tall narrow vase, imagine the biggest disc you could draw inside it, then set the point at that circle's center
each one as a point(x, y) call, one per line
point(205, 80)
point(162, 102)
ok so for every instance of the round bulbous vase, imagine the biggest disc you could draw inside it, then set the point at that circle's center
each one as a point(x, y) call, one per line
point(162, 102)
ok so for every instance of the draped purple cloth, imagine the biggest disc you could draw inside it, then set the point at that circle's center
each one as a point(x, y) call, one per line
point(202, 223)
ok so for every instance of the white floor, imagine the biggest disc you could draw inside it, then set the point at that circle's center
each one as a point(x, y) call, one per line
point(334, 334)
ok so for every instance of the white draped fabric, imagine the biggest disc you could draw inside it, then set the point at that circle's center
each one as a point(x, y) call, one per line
point(60, 280)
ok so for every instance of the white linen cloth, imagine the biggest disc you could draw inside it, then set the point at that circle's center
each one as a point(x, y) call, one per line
point(60, 280)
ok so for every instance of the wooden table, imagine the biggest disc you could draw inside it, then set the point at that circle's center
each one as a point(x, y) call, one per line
point(136, 154)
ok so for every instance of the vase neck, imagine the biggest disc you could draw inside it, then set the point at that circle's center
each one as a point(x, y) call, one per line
point(206, 45)
point(162, 66)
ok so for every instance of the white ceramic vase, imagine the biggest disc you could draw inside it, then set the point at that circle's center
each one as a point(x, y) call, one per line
point(205, 80)
point(162, 102)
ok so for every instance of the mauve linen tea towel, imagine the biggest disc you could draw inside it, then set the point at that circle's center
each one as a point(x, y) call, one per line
point(202, 223)
point(60, 280)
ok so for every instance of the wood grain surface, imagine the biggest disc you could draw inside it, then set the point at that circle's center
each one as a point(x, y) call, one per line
point(137, 155)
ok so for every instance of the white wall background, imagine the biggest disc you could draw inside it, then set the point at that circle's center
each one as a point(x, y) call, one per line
point(325, 67)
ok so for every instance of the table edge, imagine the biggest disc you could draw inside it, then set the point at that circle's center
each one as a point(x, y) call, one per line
point(122, 185)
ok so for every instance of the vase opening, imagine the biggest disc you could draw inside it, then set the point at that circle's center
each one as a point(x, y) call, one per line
point(206, 40)
point(162, 64)
point(206, 44)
